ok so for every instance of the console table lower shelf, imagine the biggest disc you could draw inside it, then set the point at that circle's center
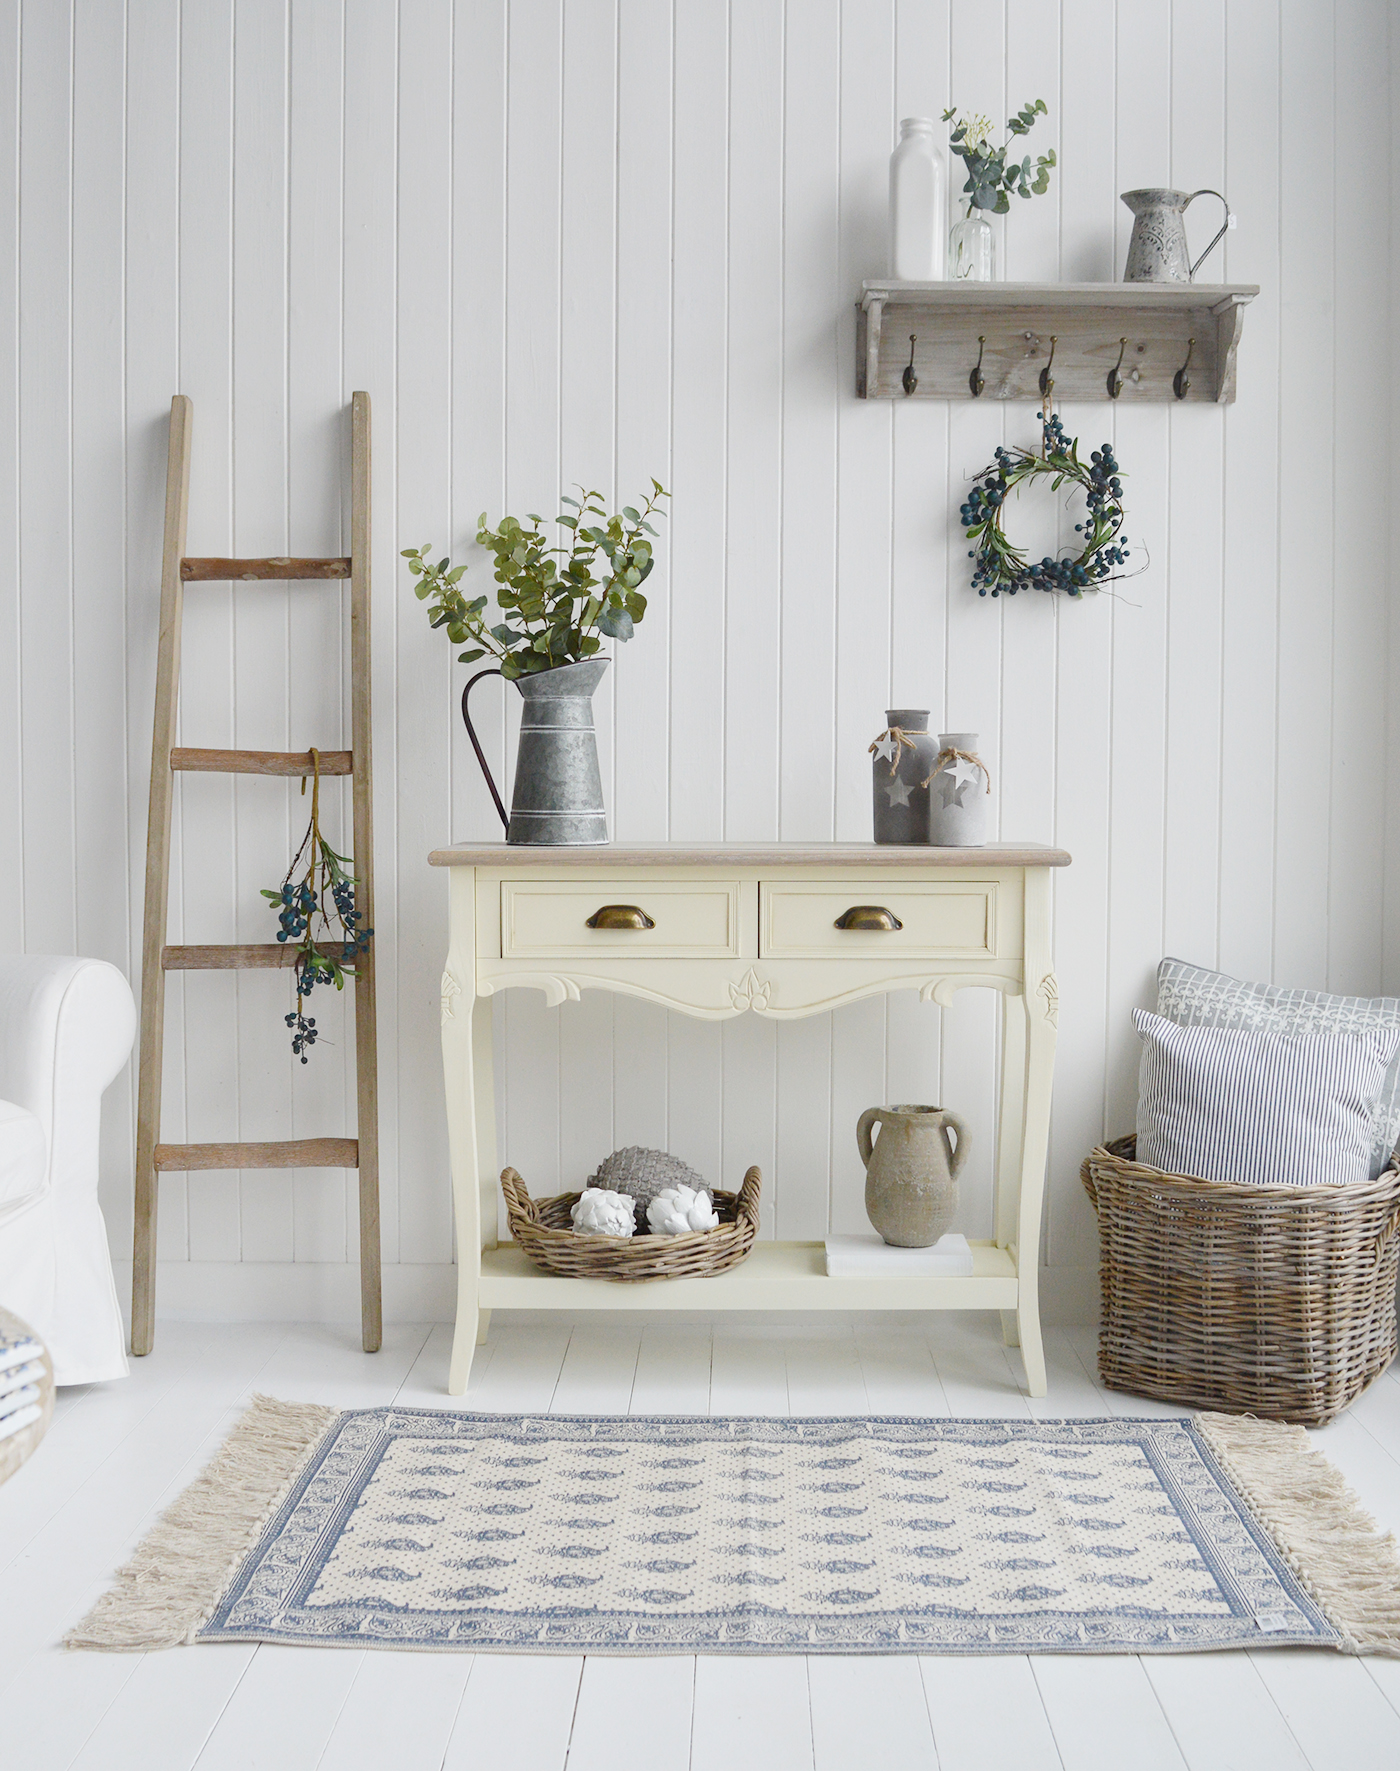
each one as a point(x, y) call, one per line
point(775, 1276)
point(776, 930)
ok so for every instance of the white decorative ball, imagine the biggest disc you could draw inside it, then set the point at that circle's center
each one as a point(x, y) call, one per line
point(600, 1212)
point(677, 1210)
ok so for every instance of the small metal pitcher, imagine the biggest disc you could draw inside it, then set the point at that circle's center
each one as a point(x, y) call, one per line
point(1157, 252)
point(558, 797)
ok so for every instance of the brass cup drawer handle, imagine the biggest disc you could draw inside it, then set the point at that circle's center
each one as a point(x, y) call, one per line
point(620, 916)
point(869, 916)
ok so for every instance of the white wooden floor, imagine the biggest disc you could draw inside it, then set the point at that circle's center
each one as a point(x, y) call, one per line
point(118, 1453)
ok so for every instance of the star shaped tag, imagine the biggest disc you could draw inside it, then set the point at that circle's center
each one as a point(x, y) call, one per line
point(962, 772)
point(884, 747)
point(898, 791)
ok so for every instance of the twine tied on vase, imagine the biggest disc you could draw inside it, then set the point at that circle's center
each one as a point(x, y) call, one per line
point(897, 734)
point(951, 755)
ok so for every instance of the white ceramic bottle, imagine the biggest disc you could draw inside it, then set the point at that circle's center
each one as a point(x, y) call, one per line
point(918, 204)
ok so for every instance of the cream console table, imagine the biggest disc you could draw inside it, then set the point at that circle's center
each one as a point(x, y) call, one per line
point(727, 930)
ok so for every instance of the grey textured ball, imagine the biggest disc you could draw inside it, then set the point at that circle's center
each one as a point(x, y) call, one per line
point(643, 1174)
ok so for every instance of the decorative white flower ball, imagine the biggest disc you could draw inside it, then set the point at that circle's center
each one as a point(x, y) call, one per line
point(599, 1211)
point(677, 1210)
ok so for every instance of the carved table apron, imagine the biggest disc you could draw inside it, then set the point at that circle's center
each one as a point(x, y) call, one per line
point(778, 930)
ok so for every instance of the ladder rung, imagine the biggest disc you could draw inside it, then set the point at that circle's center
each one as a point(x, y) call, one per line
point(245, 957)
point(263, 762)
point(221, 571)
point(297, 1153)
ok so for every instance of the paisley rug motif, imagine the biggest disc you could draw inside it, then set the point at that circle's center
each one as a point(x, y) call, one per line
point(414, 1528)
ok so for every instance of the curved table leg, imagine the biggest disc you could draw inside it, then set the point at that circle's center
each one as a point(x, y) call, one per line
point(466, 1058)
point(1041, 1004)
point(1010, 1138)
point(1040, 1062)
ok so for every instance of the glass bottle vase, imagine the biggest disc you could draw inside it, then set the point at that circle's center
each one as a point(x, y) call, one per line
point(972, 248)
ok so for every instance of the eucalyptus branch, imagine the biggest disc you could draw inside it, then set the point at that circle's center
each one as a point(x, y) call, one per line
point(554, 600)
point(990, 180)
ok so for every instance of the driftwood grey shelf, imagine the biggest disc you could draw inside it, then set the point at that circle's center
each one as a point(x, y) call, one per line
point(1154, 326)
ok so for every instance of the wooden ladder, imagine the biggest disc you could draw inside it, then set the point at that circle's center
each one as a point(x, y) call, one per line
point(361, 1151)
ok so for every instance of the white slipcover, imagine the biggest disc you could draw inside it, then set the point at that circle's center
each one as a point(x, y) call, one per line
point(66, 1029)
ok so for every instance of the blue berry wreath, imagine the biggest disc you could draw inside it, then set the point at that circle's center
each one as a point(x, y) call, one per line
point(1001, 567)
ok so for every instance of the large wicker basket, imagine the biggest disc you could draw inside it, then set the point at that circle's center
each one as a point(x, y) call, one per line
point(544, 1229)
point(1273, 1301)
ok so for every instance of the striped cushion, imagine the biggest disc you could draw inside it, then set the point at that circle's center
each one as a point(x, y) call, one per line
point(1194, 997)
point(1259, 1109)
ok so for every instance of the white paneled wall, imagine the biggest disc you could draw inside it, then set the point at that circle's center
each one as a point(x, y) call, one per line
point(598, 240)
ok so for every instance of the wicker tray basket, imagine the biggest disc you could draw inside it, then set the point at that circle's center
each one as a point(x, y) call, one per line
point(1272, 1301)
point(544, 1229)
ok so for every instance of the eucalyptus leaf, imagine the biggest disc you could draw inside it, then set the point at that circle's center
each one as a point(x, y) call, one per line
point(616, 623)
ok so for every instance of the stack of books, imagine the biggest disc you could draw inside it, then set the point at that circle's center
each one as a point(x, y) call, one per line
point(21, 1369)
point(869, 1256)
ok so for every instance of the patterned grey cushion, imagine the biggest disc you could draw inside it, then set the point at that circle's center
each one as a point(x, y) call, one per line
point(1259, 1109)
point(1194, 997)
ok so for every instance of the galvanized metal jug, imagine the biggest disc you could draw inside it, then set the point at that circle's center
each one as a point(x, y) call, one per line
point(558, 797)
point(1157, 252)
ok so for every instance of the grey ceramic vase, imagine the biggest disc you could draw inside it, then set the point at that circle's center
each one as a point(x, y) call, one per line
point(897, 776)
point(911, 1172)
point(957, 809)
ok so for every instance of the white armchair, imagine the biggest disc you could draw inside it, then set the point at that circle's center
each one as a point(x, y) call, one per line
point(66, 1028)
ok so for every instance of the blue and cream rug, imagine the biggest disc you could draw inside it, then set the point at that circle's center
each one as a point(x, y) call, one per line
point(412, 1528)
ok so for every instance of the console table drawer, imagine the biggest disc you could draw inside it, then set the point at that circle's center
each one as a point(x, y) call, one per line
point(550, 918)
point(932, 920)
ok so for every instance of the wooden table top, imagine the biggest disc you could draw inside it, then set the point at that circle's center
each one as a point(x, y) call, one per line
point(729, 854)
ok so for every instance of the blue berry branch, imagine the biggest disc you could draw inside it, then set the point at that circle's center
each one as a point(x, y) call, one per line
point(300, 899)
point(1002, 567)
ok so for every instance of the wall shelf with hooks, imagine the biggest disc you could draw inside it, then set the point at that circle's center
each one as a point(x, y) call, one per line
point(1153, 342)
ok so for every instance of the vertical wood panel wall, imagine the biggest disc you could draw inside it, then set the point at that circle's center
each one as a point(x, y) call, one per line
point(597, 240)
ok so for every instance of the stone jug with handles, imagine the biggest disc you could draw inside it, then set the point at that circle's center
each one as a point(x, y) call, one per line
point(1157, 252)
point(911, 1172)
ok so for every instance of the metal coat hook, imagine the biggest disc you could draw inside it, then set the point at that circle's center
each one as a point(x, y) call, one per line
point(1047, 383)
point(1115, 380)
point(977, 381)
point(1180, 385)
point(909, 378)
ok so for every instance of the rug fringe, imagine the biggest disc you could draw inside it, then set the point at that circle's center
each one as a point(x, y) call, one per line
point(1331, 1543)
point(173, 1583)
